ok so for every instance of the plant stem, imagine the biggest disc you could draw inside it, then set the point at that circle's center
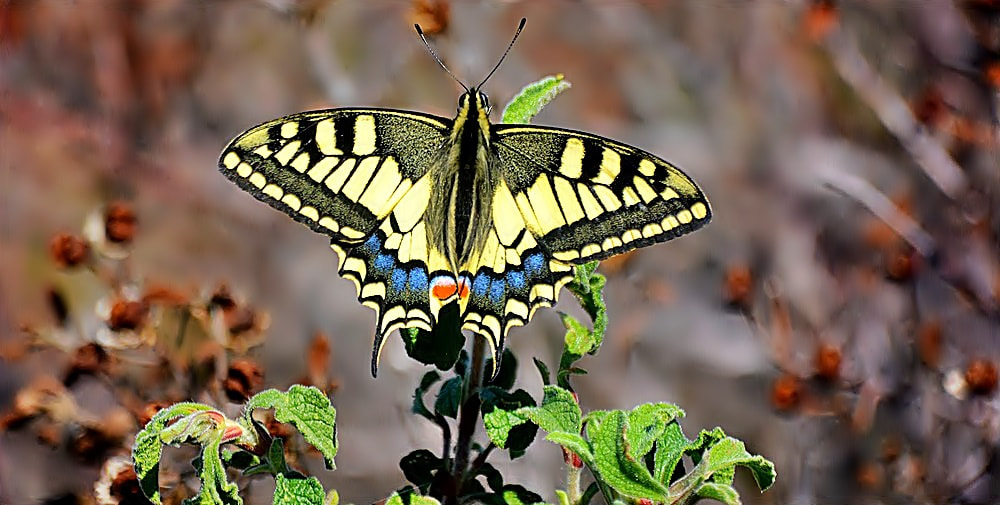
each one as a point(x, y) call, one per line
point(468, 417)
point(572, 483)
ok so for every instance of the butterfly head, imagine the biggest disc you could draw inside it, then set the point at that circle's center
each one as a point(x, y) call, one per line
point(473, 102)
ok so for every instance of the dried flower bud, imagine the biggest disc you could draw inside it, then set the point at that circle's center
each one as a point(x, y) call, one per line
point(222, 298)
point(58, 304)
point(433, 16)
point(820, 19)
point(148, 411)
point(981, 377)
point(90, 444)
point(88, 359)
point(870, 475)
point(827, 362)
point(125, 488)
point(786, 393)
point(127, 315)
point(242, 380)
point(69, 251)
point(119, 223)
point(900, 264)
point(929, 343)
point(738, 285)
point(240, 319)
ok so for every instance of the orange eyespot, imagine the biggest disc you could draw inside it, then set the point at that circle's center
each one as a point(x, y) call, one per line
point(443, 288)
point(463, 287)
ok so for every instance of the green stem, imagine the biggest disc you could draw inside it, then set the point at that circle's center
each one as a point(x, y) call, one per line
point(573, 483)
point(468, 417)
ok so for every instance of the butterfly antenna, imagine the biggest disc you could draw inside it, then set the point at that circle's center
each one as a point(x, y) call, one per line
point(437, 59)
point(518, 32)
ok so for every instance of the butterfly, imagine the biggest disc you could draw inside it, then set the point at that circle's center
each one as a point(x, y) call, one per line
point(425, 211)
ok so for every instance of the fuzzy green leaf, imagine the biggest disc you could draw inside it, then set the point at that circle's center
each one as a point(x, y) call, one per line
point(298, 491)
point(718, 492)
point(532, 98)
point(559, 411)
point(729, 452)
point(215, 487)
point(148, 448)
point(499, 422)
point(618, 469)
point(645, 425)
point(413, 499)
point(669, 449)
point(575, 443)
point(306, 408)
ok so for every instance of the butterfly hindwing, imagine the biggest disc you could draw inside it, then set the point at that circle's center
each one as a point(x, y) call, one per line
point(511, 277)
point(587, 197)
point(338, 171)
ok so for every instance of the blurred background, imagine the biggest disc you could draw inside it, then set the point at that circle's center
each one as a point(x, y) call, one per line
point(839, 314)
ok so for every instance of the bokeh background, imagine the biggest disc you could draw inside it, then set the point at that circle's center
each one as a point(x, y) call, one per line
point(839, 314)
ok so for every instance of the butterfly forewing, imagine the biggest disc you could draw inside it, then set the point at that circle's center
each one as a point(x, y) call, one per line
point(587, 198)
point(340, 171)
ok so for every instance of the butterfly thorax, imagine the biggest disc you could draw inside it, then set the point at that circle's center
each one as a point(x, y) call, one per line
point(460, 213)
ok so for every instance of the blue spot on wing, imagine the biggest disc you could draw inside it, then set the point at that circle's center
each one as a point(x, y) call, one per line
point(384, 262)
point(480, 285)
point(497, 289)
point(372, 245)
point(515, 279)
point(418, 279)
point(534, 264)
point(399, 277)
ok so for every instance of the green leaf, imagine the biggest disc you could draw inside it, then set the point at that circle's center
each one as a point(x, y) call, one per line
point(575, 443)
point(543, 370)
point(645, 425)
point(332, 498)
point(718, 492)
point(499, 422)
point(426, 382)
point(622, 472)
point(414, 499)
point(717, 457)
point(669, 449)
point(589, 493)
point(306, 408)
point(730, 452)
point(147, 449)
point(563, 497)
point(508, 371)
point(593, 420)
point(514, 494)
point(579, 339)
point(419, 468)
point(506, 428)
point(559, 411)
point(298, 491)
point(494, 478)
point(588, 288)
point(215, 487)
point(440, 346)
point(449, 398)
point(532, 98)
